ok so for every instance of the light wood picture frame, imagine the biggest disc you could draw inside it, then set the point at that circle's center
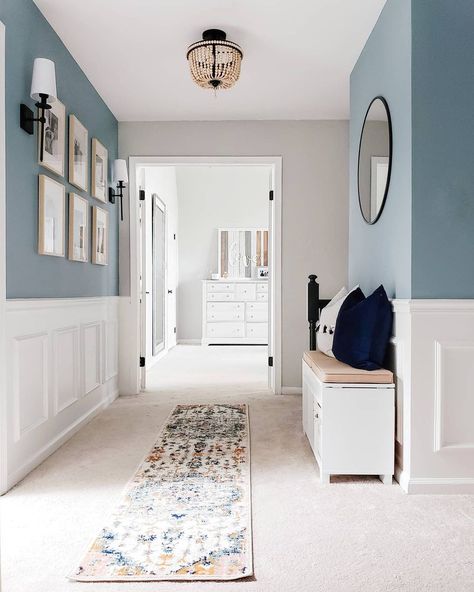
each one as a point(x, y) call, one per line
point(99, 170)
point(78, 154)
point(78, 248)
point(100, 236)
point(51, 216)
point(54, 139)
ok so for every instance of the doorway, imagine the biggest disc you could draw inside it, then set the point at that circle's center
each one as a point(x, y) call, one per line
point(272, 242)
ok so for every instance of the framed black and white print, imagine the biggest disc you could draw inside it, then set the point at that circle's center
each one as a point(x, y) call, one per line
point(100, 236)
point(54, 139)
point(51, 217)
point(78, 153)
point(78, 228)
point(99, 171)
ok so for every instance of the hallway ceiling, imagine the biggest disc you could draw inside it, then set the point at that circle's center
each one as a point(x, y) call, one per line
point(298, 54)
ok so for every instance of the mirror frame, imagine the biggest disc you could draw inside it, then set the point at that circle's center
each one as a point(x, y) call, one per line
point(390, 154)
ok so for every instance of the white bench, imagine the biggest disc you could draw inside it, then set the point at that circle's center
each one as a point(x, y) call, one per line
point(349, 418)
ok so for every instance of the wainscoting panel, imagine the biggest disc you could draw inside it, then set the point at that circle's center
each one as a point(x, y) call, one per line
point(435, 353)
point(62, 369)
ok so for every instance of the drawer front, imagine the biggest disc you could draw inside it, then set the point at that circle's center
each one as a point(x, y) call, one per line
point(256, 316)
point(262, 297)
point(229, 307)
point(220, 296)
point(257, 330)
point(262, 287)
point(257, 307)
point(226, 315)
point(225, 330)
point(220, 287)
point(245, 292)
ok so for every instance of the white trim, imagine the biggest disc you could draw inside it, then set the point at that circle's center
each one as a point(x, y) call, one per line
point(433, 305)
point(3, 390)
point(22, 471)
point(434, 485)
point(27, 304)
point(291, 390)
point(189, 342)
point(130, 343)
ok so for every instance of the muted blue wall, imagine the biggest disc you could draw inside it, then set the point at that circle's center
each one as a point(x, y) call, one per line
point(29, 275)
point(381, 253)
point(443, 154)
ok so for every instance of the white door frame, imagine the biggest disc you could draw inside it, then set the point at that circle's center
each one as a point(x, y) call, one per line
point(3, 282)
point(131, 345)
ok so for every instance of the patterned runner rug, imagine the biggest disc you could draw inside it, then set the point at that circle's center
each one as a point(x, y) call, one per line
point(186, 514)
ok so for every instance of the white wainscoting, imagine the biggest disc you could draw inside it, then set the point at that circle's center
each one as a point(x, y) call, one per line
point(433, 358)
point(62, 369)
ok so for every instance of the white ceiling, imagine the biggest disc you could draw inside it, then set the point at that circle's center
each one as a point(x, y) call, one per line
point(298, 54)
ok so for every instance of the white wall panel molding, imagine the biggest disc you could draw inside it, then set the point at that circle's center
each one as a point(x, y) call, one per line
point(62, 369)
point(434, 349)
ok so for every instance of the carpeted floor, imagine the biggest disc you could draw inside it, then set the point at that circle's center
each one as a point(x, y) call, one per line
point(353, 535)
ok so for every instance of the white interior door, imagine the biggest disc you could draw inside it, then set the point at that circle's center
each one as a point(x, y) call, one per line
point(159, 287)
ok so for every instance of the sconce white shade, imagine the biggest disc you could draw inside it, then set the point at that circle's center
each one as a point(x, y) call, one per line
point(120, 171)
point(43, 80)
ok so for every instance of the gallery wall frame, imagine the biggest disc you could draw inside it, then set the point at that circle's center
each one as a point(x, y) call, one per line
point(100, 236)
point(99, 168)
point(51, 216)
point(54, 139)
point(78, 248)
point(78, 154)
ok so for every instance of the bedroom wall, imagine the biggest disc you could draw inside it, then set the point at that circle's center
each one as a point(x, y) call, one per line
point(315, 201)
point(210, 198)
point(30, 275)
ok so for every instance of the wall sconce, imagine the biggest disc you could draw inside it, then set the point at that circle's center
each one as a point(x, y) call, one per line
point(43, 89)
point(120, 178)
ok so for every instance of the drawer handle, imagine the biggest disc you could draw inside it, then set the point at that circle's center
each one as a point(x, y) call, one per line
point(316, 416)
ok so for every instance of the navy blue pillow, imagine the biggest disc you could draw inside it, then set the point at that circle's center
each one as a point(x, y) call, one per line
point(363, 329)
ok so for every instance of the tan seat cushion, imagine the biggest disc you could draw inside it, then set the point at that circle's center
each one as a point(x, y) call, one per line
point(331, 370)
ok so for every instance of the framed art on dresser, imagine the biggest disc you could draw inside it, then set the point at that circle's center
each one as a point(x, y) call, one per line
point(51, 216)
point(99, 171)
point(100, 236)
point(78, 228)
point(54, 139)
point(78, 153)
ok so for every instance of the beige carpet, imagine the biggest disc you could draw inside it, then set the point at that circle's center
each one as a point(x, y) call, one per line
point(353, 535)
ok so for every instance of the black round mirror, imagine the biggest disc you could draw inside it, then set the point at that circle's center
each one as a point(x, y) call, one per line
point(375, 160)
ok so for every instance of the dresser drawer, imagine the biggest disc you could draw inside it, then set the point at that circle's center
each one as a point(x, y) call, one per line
point(262, 287)
point(220, 296)
point(225, 330)
point(262, 297)
point(220, 287)
point(225, 315)
point(256, 316)
point(245, 291)
point(229, 307)
point(257, 307)
point(257, 330)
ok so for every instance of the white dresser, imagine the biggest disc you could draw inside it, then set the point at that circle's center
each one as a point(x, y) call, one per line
point(234, 311)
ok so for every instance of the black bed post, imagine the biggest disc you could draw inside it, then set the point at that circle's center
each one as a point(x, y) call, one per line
point(313, 309)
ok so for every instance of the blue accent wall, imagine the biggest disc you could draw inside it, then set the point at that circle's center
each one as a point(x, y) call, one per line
point(420, 56)
point(381, 253)
point(443, 154)
point(29, 275)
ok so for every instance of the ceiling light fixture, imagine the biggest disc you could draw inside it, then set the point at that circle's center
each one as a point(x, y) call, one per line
point(214, 61)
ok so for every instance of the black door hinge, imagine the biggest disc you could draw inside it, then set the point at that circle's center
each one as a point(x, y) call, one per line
point(142, 362)
point(175, 329)
point(270, 195)
point(270, 361)
point(141, 195)
point(174, 236)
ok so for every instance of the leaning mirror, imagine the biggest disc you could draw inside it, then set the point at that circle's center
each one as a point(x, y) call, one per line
point(375, 160)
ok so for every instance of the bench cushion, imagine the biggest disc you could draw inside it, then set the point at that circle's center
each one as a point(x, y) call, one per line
point(331, 370)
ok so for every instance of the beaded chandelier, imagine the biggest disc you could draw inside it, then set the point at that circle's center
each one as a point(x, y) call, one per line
point(214, 61)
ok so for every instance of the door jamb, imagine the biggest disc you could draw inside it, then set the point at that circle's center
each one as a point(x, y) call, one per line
point(130, 383)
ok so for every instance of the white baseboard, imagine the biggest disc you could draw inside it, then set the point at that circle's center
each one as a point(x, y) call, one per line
point(435, 485)
point(291, 390)
point(189, 342)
